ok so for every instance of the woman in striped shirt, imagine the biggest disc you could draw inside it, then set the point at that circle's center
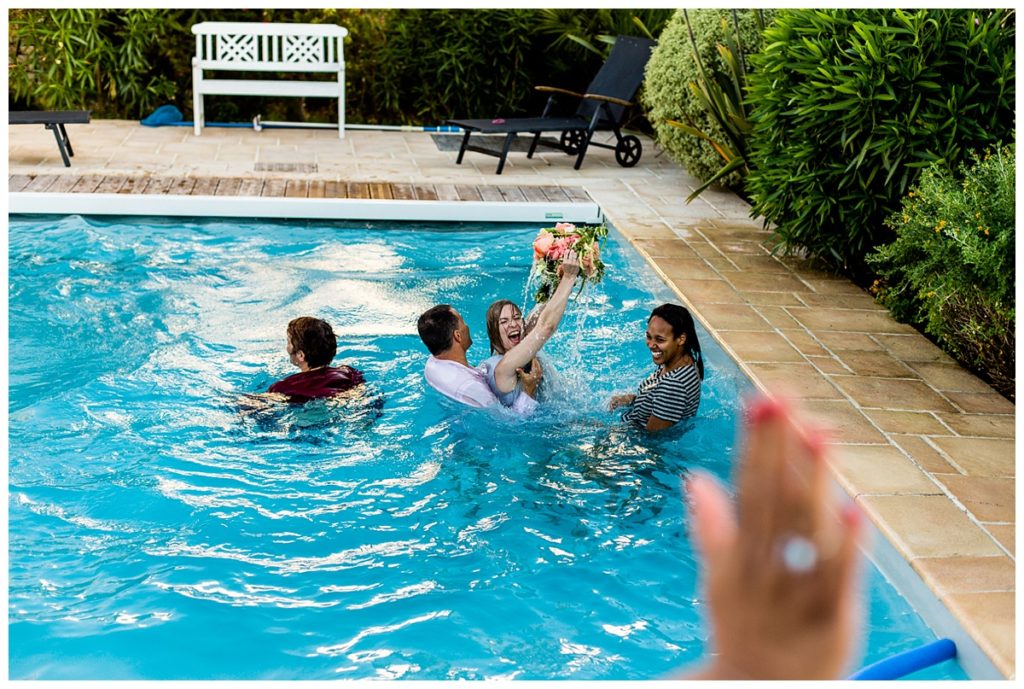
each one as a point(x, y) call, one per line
point(672, 392)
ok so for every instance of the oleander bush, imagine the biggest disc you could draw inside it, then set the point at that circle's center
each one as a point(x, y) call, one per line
point(950, 270)
point(667, 94)
point(849, 105)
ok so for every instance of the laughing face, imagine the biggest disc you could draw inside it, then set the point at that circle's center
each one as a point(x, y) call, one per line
point(510, 327)
point(666, 349)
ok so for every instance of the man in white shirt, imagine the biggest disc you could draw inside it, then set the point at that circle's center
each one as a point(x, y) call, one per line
point(447, 337)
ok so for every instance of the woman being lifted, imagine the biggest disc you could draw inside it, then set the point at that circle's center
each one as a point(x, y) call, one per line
point(517, 347)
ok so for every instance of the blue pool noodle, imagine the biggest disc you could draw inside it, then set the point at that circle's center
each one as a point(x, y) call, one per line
point(902, 664)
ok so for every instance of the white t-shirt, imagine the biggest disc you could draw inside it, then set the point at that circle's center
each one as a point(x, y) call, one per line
point(468, 385)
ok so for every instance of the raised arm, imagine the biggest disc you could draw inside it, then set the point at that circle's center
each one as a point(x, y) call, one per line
point(550, 317)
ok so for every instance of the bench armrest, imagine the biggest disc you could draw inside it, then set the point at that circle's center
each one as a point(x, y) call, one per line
point(555, 89)
point(608, 99)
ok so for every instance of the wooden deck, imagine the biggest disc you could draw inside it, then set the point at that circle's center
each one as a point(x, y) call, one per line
point(275, 187)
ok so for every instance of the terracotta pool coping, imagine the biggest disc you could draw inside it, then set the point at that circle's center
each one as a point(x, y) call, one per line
point(925, 447)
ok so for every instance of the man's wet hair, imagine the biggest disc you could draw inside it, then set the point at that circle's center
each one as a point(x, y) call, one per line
point(315, 338)
point(437, 326)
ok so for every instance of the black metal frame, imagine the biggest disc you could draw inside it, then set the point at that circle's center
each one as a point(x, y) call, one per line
point(54, 121)
point(602, 116)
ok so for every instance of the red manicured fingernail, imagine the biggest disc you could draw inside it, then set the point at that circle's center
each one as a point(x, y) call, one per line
point(762, 409)
point(851, 514)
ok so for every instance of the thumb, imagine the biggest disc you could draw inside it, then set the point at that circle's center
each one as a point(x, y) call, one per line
point(713, 520)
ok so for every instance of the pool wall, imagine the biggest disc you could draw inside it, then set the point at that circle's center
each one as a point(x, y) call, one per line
point(283, 207)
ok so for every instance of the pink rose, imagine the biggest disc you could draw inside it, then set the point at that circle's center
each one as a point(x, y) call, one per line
point(542, 245)
point(564, 226)
point(560, 247)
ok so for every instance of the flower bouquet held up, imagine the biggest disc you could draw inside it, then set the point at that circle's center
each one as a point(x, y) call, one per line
point(550, 247)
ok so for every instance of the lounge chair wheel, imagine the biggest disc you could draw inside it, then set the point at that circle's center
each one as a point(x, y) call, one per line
point(571, 140)
point(628, 150)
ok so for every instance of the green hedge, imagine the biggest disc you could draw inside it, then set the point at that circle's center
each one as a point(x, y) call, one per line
point(667, 94)
point(951, 268)
point(849, 105)
point(402, 66)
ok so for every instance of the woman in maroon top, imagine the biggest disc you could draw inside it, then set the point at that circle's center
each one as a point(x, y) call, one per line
point(312, 346)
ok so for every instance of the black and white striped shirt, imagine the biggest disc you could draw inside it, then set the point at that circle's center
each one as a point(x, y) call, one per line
point(672, 396)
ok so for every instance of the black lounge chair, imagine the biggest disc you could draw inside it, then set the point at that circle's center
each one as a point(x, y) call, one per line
point(55, 122)
point(602, 107)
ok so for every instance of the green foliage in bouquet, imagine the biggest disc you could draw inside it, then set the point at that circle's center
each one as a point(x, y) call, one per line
point(549, 250)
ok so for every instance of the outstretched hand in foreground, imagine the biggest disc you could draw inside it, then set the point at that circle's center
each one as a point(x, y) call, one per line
point(780, 570)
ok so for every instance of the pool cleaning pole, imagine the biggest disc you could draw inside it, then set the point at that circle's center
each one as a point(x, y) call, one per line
point(258, 124)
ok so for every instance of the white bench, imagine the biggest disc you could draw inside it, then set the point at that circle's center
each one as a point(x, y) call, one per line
point(256, 47)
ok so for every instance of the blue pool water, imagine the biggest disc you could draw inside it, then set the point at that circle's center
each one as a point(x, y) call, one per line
point(159, 531)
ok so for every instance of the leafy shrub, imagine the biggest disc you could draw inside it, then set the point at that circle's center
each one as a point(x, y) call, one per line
point(401, 66)
point(98, 59)
point(850, 104)
point(447, 63)
point(951, 268)
point(672, 68)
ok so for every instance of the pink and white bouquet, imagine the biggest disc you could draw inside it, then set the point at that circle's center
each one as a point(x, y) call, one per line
point(553, 243)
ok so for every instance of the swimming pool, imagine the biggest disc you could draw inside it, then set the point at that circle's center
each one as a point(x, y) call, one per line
point(158, 532)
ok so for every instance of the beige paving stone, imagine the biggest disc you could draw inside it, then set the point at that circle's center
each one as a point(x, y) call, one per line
point(708, 291)
point(647, 231)
point(737, 246)
point(707, 251)
point(687, 268)
point(828, 364)
point(760, 346)
point(981, 403)
point(836, 286)
point(988, 499)
point(779, 317)
point(989, 619)
point(772, 299)
point(927, 526)
point(842, 342)
point(849, 320)
point(756, 265)
point(967, 574)
point(926, 456)
point(911, 347)
point(979, 456)
point(892, 393)
point(861, 301)
point(875, 364)
point(981, 425)
point(800, 380)
point(734, 317)
point(804, 343)
point(766, 282)
point(847, 424)
point(950, 377)
point(665, 248)
point(880, 470)
point(720, 263)
point(740, 226)
point(920, 423)
point(1005, 534)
